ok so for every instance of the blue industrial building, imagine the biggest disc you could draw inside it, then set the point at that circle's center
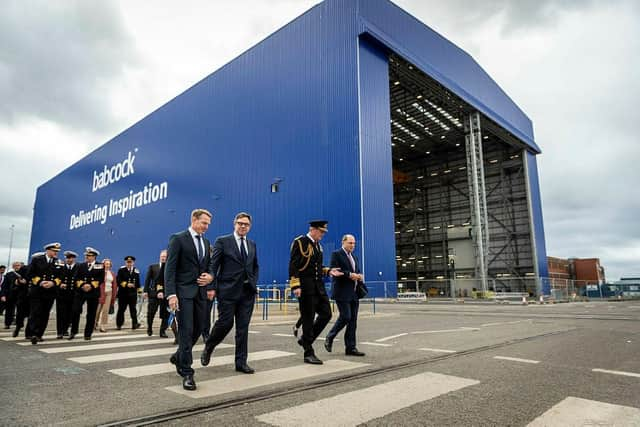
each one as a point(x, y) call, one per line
point(355, 112)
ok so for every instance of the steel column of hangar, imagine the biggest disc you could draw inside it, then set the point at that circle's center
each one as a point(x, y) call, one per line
point(460, 191)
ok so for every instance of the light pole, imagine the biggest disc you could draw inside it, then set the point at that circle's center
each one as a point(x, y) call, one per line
point(10, 245)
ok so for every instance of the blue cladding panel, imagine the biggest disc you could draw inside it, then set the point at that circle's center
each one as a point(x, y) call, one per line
point(377, 174)
point(445, 62)
point(538, 226)
point(284, 111)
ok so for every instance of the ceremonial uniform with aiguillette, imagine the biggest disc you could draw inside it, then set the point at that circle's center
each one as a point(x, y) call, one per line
point(154, 288)
point(66, 293)
point(128, 284)
point(306, 272)
point(43, 276)
point(88, 278)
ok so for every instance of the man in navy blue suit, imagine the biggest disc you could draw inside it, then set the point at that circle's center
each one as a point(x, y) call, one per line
point(344, 293)
point(186, 277)
point(234, 264)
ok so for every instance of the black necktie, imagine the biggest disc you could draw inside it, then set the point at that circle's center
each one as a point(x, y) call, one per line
point(243, 251)
point(200, 256)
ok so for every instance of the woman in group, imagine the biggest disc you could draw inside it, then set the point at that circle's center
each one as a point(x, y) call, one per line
point(108, 290)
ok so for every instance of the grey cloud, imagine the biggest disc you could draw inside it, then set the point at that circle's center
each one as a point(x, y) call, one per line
point(58, 60)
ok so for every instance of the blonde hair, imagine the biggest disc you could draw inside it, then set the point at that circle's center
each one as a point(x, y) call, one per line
point(107, 259)
point(197, 213)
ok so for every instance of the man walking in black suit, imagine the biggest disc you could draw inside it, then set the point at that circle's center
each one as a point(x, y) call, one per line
point(306, 272)
point(154, 291)
point(186, 277)
point(344, 293)
point(234, 264)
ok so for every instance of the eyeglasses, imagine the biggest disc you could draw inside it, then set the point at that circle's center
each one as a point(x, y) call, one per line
point(243, 224)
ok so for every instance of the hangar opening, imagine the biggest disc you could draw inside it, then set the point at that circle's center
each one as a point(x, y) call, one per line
point(462, 221)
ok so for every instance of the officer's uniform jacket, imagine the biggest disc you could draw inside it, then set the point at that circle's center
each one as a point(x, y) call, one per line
point(67, 286)
point(154, 281)
point(124, 277)
point(41, 271)
point(305, 266)
point(91, 276)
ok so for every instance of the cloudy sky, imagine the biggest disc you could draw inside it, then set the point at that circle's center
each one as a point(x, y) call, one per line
point(73, 74)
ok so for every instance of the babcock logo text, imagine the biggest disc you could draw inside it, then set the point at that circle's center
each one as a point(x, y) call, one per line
point(114, 174)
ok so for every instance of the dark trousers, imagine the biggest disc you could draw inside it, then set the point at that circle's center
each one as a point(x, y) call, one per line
point(310, 305)
point(152, 308)
point(64, 312)
point(23, 308)
point(92, 306)
point(349, 318)
point(191, 316)
point(41, 304)
point(10, 308)
point(241, 311)
point(206, 329)
point(123, 301)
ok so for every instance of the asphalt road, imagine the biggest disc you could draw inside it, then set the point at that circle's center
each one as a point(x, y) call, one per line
point(426, 364)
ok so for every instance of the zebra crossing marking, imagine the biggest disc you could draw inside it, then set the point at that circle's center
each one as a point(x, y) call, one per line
point(54, 335)
point(134, 354)
point(577, 412)
point(93, 339)
point(243, 382)
point(437, 350)
point(626, 374)
point(161, 368)
point(516, 359)
point(85, 347)
point(360, 406)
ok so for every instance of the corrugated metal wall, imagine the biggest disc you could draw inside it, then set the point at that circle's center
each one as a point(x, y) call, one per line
point(285, 111)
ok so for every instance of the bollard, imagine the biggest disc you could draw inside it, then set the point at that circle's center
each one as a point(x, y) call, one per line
point(541, 300)
point(374, 305)
point(524, 301)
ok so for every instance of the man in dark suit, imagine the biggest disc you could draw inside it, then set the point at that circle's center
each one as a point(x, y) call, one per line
point(344, 293)
point(154, 291)
point(66, 292)
point(186, 277)
point(234, 264)
point(8, 293)
point(43, 275)
point(306, 272)
point(128, 279)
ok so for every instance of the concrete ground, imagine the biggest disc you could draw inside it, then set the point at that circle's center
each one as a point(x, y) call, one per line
point(425, 364)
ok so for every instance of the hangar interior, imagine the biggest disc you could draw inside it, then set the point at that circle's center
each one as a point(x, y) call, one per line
point(460, 193)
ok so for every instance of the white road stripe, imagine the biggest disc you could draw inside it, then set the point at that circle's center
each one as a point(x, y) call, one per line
point(242, 382)
point(626, 374)
point(255, 332)
point(377, 344)
point(574, 412)
point(361, 406)
point(437, 350)
point(462, 329)
point(93, 339)
point(48, 337)
point(284, 335)
point(161, 368)
point(515, 359)
point(135, 354)
point(85, 347)
point(391, 337)
point(506, 323)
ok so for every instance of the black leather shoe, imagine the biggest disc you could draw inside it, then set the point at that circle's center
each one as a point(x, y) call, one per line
point(118, 328)
point(205, 357)
point(188, 383)
point(149, 332)
point(354, 352)
point(59, 337)
point(136, 326)
point(16, 332)
point(72, 336)
point(87, 338)
point(245, 369)
point(173, 359)
point(34, 340)
point(313, 360)
point(328, 345)
point(163, 334)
